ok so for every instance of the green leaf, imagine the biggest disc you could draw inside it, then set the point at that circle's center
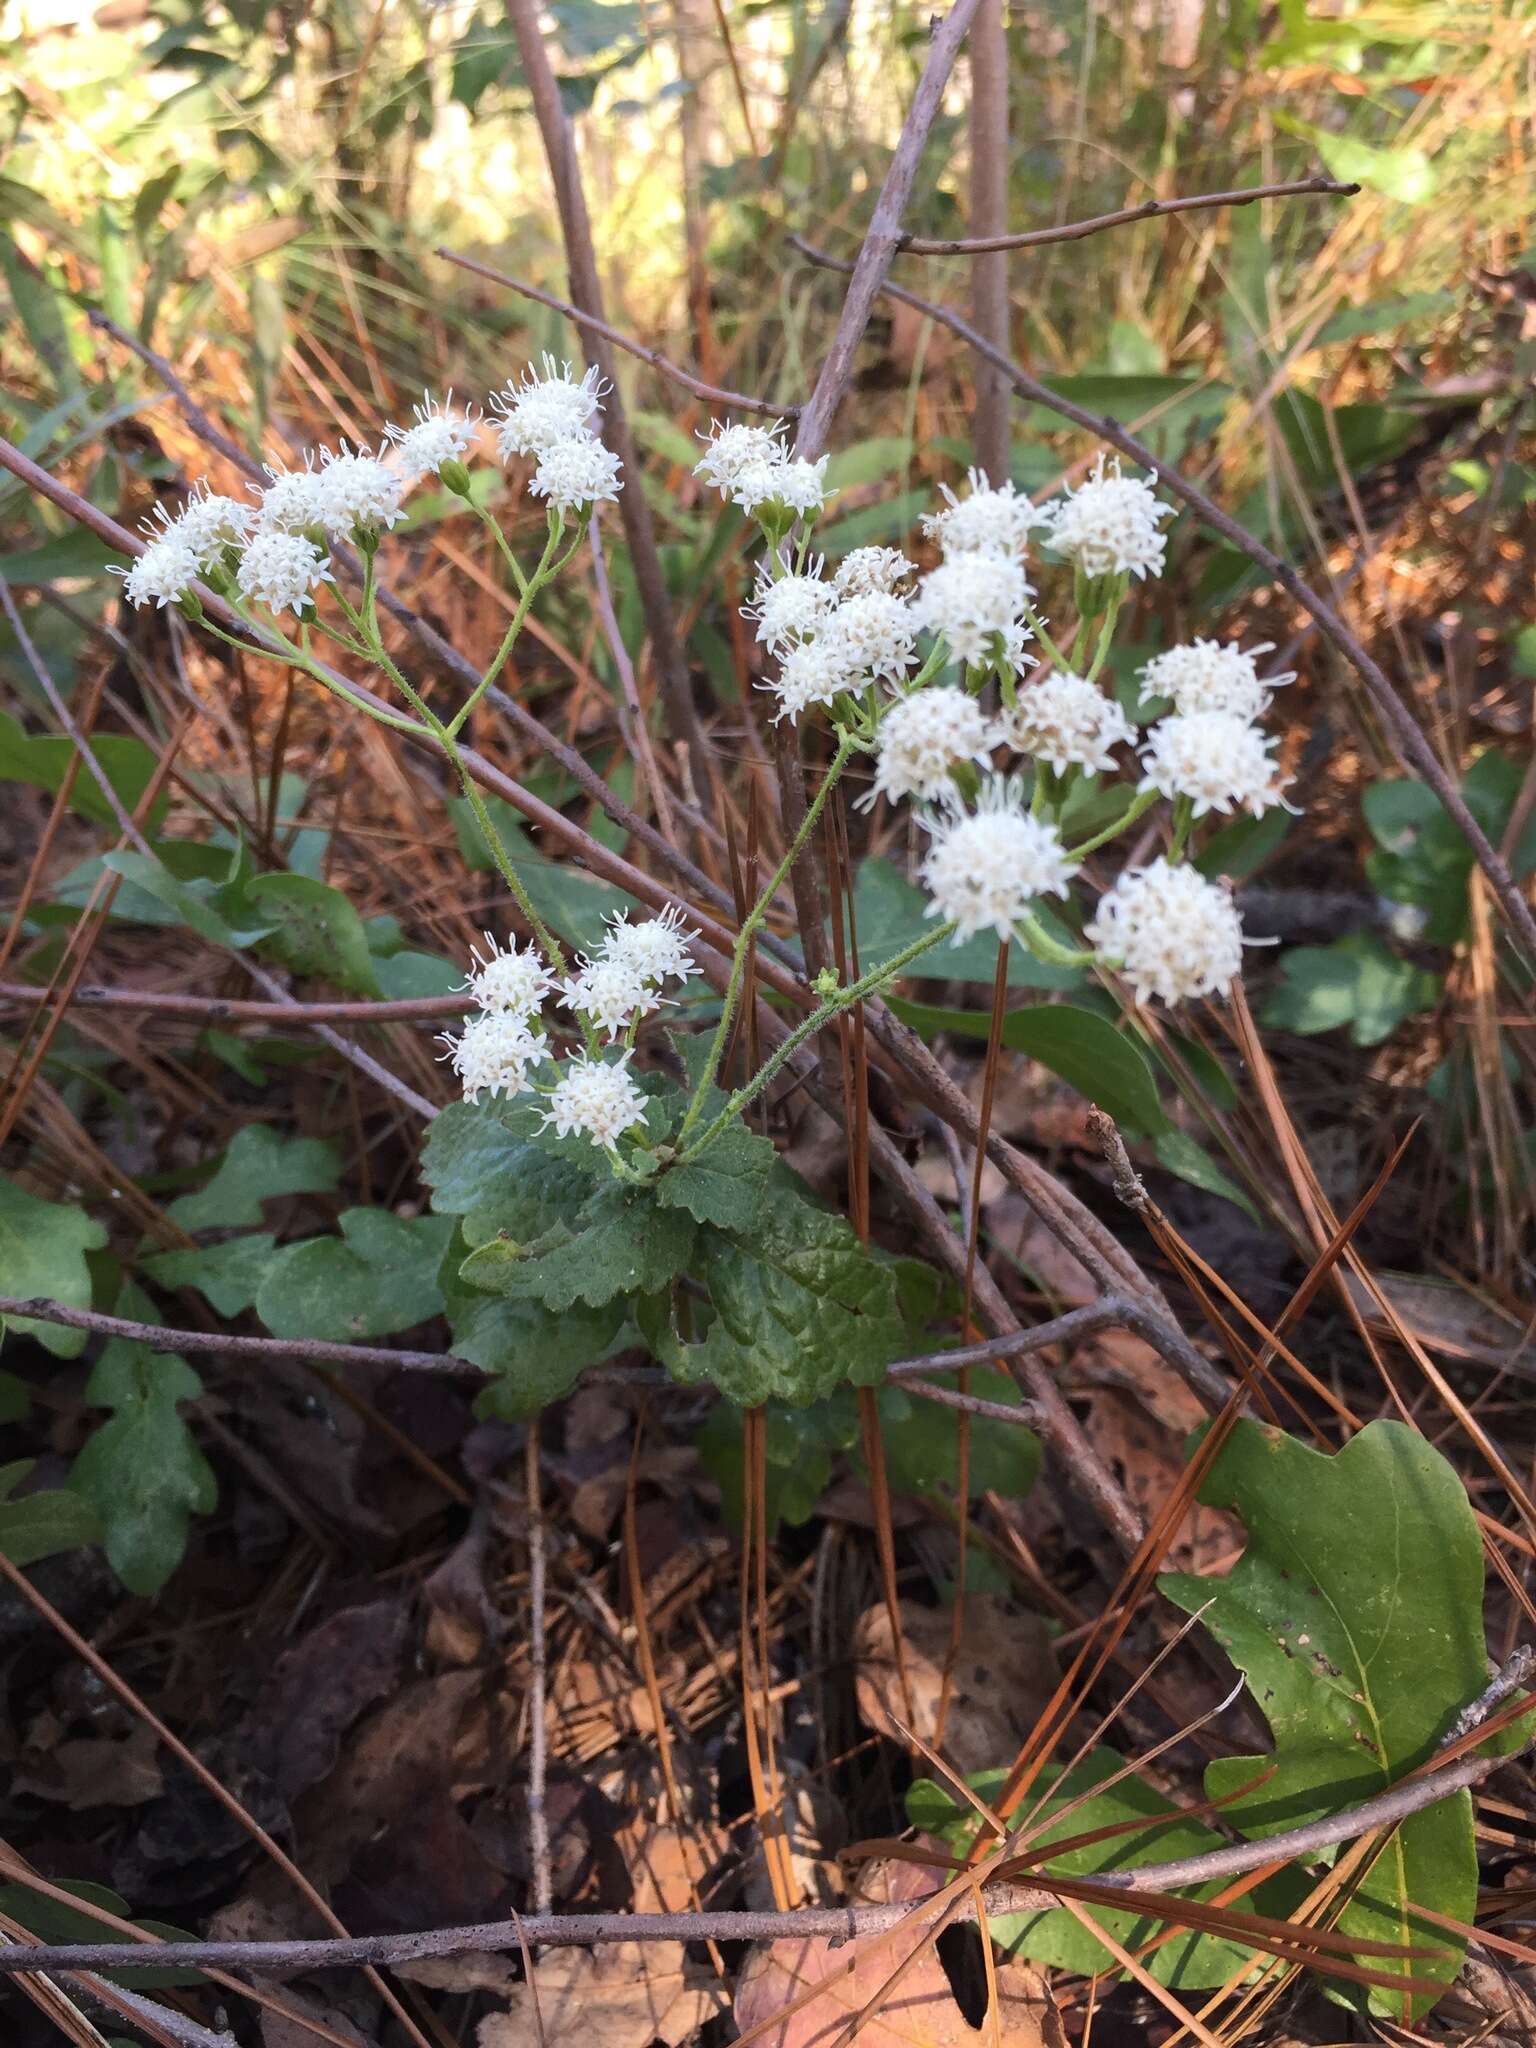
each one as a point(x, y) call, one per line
point(800, 1306)
point(1407, 175)
point(1057, 1937)
point(41, 1524)
point(44, 759)
point(922, 1453)
point(621, 1242)
point(227, 1275)
point(536, 1355)
point(410, 977)
point(378, 1277)
point(1355, 1614)
point(215, 913)
point(1177, 1152)
point(725, 1185)
point(259, 1165)
point(315, 930)
point(1241, 848)
point(799, 1444)
point(1083, 1048)
point(891, 912)
point(1356, 981)
point(142, 1471)
point(481, 1162)
point(55, 1923)
point(42, 1254)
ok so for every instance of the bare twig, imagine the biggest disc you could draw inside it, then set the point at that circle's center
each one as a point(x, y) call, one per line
point(1399, 722)
point(230, 1010)
point(712, 394)
point(225, 1343)
point(989, 217)
point(538, 1731)
point(836, 1924)
point(1508, 1679)
point(1127, 216)
point(586, 291)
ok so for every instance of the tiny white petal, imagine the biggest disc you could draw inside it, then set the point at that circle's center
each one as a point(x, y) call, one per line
point(1218, 761)
point(595, 1099)
point(1068, 722)
point(812, 672)
point(611, 993)
point(357, 491)
point(986, 867)
point(1110, 525)
point(790, 606)
point(1172, 933)
point(656, 949)
point(293, 501)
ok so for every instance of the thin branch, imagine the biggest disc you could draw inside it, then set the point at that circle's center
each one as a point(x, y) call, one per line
point(1412, 746)
point(538, 1710)
point(1127, 216)
point(712, 394)
point(989, 216)
point(228, 1010)
point(836, 1924)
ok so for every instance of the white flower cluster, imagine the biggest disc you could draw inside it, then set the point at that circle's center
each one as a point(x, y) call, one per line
point(278, 549)
point(1067, 722)
point(977, 596)
point(987, 866)
point(832, 638)
point(1111, 524)
point(501, 1046)
point(752, 467)
point(1205, 676)
point(1172, 933)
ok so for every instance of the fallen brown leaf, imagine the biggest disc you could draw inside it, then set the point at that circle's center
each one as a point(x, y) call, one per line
point(1003, 1677)
point(623, 1996)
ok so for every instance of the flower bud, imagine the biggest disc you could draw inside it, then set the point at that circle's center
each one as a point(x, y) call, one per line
point(455, 477)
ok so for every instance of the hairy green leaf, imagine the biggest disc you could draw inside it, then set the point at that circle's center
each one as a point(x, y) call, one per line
point(1355, 1614)
point(142, 1470)
point(379, 1276)
point(725, 1185)
point(315, 930)
point(42, 1253)
point(621, 1242)
point(41, 1524)
point(227, 1275)
point(259, 1165)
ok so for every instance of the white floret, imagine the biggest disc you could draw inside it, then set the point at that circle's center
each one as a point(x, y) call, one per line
point(209, 524)
point(1219, 762)
point(791, 606)
point(357, 492)
point(545, 409)
point(595, 1099)
point(1067, 722)
point(293, 501)
point(984, 522)
point(1172, 933)
point(439, 435)
point(986, 867)
point(281, 571)
point(611, 993)
point(870, 569)
point(165, 571)
point(1111, 524)
point(517, 979)
point(1206, 676)
point(493, 1053)
point(924, 738)
point(814, 672)
point(728, 451)
point(657, 949)
point(796, 486)
point(577, 473)
point(876, 633)
point(972, 600)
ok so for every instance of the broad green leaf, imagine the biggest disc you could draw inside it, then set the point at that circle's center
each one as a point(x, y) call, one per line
point(1178, 1153)
point(315, 930)
point(1057, 1937)
point(868, 462)
point(53, 1922)
point(41, 1524)
point(44, 759)
point(621, 1242)
point(1356, 981)
point(799, 1306)
point(227, 1275)
point(481, 1163)
point(799, 1444)
point(42, 1254)
point(537, 1355)
point(142, 1470)
point(407, 976)
point(1407, 175)
point(725, 1185)
point(1355, 1614)
point(378, 1277)
point(922, 1453)
point(1241, 848)
point(259, 1165)
point(214, 913)
point(891, 912)
point(1083, 1048)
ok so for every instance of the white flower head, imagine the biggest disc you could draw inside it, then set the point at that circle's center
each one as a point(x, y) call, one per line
point(209, 523)
point(440, 435)
point(1068, 722)
point(971, 599)
point(1172, 933)
point(728, 451)
point(610, 992)
point(293, 501)
point(596, 1099)
point(1206, 676)
point(576, 474)
point(924, 738)
point(517, 980)
point(813, 672)
point(985, 867)
point(281, 571)
point(876, 632)
point(796, 486)
point(357, 492)
point(546, 408)
point(1220, 762)
point(493, 1053)
point(1111, 524)
point(165, 571)
point(656, 949)
point(985, 521)
point(791, 606)
point(870, 569)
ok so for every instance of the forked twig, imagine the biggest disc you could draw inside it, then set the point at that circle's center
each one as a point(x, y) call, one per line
point(1126, 216)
